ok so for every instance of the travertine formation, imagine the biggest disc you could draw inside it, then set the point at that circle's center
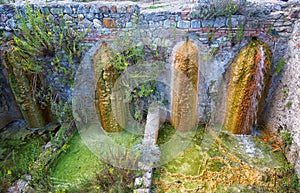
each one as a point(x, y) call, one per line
point(185, 86)
point(249, 80)
point(112, 109)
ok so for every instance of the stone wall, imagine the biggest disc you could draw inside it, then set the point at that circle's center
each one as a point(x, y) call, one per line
point(222, 37)
point(283, 109)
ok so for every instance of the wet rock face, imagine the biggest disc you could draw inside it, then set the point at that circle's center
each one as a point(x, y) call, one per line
point(185, 86)
point(111, 108)
point(8, 108)
point(246, 90)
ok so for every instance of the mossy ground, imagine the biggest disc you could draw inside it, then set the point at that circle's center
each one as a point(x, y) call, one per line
point(214, 162)
point(75, 164)
point(220, 162)
point(19, 148)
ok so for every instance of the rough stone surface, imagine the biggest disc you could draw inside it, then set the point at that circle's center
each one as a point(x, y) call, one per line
point(21, 185)
point(283, 110)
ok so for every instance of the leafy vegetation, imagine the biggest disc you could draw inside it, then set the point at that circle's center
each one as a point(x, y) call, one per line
point(5, 1)
point(280, 66)
point(286, 138)
point(20, 154)
point(41, 58)
point(42, 44)
point(289, 181)
point(289, 104)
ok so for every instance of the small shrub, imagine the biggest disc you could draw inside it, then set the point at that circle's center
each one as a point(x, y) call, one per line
point(117, 179)
point(239, 33)
point(286, 138)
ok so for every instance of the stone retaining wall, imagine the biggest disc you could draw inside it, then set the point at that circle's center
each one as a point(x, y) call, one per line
point(104, 18)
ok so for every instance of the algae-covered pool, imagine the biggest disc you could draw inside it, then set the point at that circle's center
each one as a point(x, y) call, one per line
point(213, 162)
point(75, 164)
point(222, 162)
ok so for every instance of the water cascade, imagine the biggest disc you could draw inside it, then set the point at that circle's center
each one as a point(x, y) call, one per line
point(185, 86)
point(247, 87)
point(111, 108)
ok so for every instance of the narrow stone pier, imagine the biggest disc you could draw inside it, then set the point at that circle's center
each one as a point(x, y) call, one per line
point(149, 151)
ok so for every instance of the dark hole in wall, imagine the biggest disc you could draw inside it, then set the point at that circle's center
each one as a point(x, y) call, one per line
point(9, 110)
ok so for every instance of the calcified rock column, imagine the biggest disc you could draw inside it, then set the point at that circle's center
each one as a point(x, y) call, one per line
point(185, 87)
point(247, 87)
point(110, 103)
point(20, 84)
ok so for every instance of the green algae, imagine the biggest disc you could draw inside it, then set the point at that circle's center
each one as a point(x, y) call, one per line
point(75, 164)
point(224, 165)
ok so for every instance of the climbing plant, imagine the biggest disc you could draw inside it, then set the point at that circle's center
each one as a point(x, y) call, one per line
point(133, 57)
point(42, 46)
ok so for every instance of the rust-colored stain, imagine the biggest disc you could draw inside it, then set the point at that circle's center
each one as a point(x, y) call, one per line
point(113, 8)
point(247, 87)
point(185, 87)
point(111, 112)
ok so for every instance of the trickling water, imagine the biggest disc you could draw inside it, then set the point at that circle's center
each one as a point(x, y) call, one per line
point(246, 87)
point(251, 115)
point(246, 143)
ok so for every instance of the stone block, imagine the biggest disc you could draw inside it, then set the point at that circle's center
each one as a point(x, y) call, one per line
point(220, 22)
point(208, 23)
point(129, 25)
point(104, 9)
point(195, 24)
point(169, 24)
point(97, 23)
point(183, 24)
point(67, 9)
point(236, 21)
point(108, 23)
point(94, 9)
point(90, 16)
point(113, 9)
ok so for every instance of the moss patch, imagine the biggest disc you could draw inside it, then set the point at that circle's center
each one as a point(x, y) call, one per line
point(19, 148)
point(75, 164)
point(223, 163)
